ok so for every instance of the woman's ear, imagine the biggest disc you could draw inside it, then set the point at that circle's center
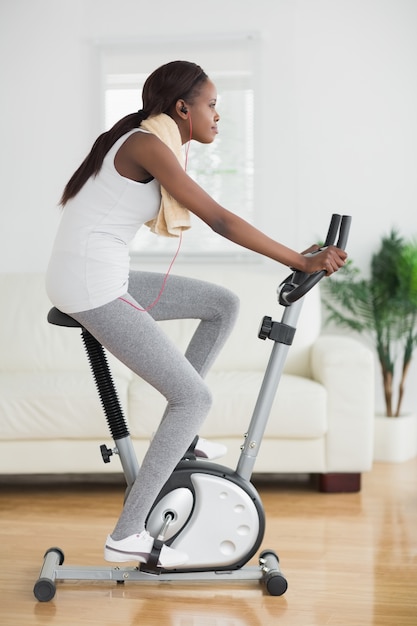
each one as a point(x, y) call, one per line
point(182, 109)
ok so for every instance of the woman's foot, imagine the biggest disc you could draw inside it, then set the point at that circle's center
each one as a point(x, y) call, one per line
point(138, 548)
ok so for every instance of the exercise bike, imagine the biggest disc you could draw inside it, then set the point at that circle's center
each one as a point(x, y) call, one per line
point(211, 512)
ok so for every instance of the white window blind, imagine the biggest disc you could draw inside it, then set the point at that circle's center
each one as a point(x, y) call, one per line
point(225, 168)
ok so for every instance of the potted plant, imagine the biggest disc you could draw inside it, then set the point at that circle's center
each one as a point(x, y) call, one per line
point(384, 308)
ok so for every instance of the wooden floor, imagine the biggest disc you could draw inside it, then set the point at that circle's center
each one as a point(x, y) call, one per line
point(350, 559)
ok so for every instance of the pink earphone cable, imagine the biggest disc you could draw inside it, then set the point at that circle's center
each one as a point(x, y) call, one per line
point(188, 143)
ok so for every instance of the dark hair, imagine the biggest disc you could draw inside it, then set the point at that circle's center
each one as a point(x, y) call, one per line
point(162, 89)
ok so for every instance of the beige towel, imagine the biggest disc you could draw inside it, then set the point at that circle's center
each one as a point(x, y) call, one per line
point(172, 217)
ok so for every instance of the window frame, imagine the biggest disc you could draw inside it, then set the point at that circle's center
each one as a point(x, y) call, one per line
point(239, 54)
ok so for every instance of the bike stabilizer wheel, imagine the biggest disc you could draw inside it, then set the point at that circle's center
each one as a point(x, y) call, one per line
point(274, 580)
point(275, 583)
point(45, 588)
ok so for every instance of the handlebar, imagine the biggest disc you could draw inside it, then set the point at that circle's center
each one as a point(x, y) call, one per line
point(299, 283)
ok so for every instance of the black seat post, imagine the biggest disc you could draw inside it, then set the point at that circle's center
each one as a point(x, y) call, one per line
point(105, 386)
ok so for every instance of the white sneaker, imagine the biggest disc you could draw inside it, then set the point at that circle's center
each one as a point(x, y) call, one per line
point(138, 548)
point(205, 449)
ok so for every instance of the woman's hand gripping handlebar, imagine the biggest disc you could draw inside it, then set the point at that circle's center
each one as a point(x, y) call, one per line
point(331, 256)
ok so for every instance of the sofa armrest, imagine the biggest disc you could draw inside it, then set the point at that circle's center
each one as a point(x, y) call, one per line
point(345, 367)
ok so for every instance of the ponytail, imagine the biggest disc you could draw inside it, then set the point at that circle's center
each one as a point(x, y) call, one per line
point(94, 160)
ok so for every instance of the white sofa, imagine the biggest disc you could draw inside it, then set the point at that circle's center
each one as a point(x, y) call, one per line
point(51, 421)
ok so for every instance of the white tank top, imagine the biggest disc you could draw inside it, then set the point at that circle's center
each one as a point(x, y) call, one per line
point(89, 265)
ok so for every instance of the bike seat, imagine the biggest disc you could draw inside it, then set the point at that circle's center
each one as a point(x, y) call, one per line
point(58, 318)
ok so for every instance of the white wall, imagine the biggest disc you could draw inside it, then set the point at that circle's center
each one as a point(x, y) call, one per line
point(336, 127)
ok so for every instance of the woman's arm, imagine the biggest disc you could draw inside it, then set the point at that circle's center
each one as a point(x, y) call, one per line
point(151, 154)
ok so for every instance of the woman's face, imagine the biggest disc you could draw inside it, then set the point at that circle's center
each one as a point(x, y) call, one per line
point(203, 114)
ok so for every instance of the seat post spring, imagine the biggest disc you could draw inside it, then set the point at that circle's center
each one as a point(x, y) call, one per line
point(105, 386)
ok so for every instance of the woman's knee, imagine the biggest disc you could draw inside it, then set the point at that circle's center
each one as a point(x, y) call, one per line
point(228, 303)
point(194, 397)
point(202, 397)
point(233, 301)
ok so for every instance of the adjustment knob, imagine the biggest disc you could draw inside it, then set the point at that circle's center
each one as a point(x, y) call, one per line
point(106, 453)
point(266, 327)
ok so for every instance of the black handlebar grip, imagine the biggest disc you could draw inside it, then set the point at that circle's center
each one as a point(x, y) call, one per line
point(344, 231)
point(333, 228)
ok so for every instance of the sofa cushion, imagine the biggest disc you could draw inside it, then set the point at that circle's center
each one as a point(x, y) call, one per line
point(299, 408)
point(28, 343)
point(48, 405)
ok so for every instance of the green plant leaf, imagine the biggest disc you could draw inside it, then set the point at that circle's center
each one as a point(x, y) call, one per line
point(384, 307)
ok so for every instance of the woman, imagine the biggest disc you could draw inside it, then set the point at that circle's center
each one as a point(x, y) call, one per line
point(116, 190)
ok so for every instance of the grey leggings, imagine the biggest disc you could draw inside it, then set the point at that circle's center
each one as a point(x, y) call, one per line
point(134, 337)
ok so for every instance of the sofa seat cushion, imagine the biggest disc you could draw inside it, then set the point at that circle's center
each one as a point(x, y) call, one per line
point(299, 409)
point(49, 405)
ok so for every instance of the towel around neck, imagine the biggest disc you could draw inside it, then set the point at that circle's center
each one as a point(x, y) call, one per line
point(172, 218)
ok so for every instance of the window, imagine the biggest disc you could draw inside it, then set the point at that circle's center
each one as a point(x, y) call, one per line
point(225, 168)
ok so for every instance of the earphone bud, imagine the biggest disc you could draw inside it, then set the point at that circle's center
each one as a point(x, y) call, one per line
point(184, 109)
